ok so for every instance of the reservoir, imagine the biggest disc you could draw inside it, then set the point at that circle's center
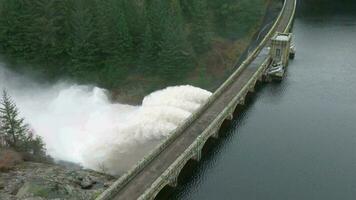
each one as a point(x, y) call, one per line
point(295, 139)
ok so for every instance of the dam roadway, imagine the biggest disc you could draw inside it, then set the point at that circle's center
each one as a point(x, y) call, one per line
point(162, 167)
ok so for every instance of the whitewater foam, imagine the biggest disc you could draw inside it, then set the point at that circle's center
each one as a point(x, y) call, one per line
point(80, 124)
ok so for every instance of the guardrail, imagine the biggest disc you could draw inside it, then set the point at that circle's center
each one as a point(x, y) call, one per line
point(129, 175)
point(291, 20)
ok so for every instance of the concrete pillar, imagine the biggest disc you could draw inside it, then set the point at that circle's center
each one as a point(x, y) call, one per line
point(197, 156)
point(242, 101)
point(230, 116)
point(215, 135)
point(252, 88)
point(173, 180)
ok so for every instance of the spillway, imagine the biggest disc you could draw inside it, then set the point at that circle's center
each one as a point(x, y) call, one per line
point(80, 124)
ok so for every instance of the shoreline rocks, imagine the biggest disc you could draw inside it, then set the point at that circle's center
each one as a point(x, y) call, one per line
point(38, 181)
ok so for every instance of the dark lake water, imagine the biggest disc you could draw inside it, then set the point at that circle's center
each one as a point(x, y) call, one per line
point(296, 140)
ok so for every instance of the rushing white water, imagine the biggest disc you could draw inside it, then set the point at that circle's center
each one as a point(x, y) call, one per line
point(80, 124)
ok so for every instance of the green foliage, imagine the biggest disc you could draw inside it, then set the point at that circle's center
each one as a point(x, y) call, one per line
point(12, 128)
point(147, 55)
point(175, 53)
point(107, 41)
point(15, 133)
point(236, 17)
point(84, 47)
point(200, 31)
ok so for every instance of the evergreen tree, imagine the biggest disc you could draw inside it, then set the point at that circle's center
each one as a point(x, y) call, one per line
point(12, 127)
point(175, 51)
point(107, 39)
point(157, 11)
point(49, 32)
point(123, 39)
point(36, 147)
point(118, 46)
point(134, 14)
point(115, 40)
point(187, 8)
point(148, 55)
point(15, 132)
point(200, 34)
point(84, 51)
point(14, 22)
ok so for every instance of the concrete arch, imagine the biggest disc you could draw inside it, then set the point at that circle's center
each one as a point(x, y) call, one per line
point(181, 176)
point(164, 193)
point(252, 87)
point(209, 143)
point(249, 98)
point(239, 108)
point(187, 170)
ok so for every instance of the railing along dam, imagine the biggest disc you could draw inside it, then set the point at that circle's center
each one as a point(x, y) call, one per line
point(163, 165)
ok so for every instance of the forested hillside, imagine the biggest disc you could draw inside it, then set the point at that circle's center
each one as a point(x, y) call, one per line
point(126, 43)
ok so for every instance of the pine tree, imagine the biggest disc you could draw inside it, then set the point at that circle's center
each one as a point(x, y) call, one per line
point(134, 19)
point(35, 146)
point(106, 41)
point(12, 127)
point(200, 35)
point(48, 31)
point(84, 51)
point(175, 55)
point(148, 55)
point(124, 38)
point(155, 9)
point(115, 40)
point(14, 22)
point(16, 134)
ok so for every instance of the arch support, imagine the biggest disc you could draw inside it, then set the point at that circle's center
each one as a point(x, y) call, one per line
point(215, 134)
point(198, 154)
point(252, 88)
point(230, 116)
point(253, 85)
point(242, 101)
point(173, 179)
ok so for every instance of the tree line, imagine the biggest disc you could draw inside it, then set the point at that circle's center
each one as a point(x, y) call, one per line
point(104, 41)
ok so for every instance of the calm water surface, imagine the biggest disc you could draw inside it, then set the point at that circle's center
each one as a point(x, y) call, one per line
point(297, 139)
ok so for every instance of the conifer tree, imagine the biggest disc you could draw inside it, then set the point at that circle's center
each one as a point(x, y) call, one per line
point(14, 22)
point(84, 51)
point(134, 14)
point(15, 132)
point(175, 51)
point(148, 55)
point(155, 10)
point(107, 39)
point(12, 127)
point(200, 30)
point(48, 32)
point(123, 39)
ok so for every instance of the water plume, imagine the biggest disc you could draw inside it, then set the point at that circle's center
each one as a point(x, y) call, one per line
point(80, 124)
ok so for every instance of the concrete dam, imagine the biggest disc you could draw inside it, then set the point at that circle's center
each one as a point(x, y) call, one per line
point(163, 165)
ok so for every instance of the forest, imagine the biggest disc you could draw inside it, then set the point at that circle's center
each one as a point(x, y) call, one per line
point(116, 43)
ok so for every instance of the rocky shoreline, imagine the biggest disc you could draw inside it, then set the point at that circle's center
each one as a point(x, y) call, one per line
point(38, 181)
